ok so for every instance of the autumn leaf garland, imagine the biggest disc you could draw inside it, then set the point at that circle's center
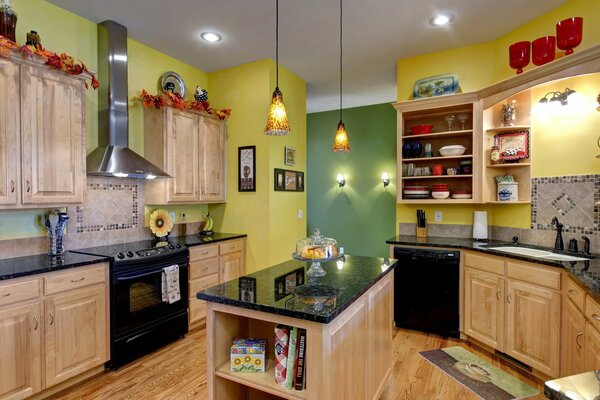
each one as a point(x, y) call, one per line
point(169, 99)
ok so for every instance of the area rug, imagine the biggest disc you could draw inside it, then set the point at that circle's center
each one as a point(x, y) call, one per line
point(479, 376)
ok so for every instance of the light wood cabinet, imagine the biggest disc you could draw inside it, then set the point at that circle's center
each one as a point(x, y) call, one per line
point(231, 266)
point(9, 133)
point(573, 339)
point(190, 147)
point(484, 307)
point(592, 348)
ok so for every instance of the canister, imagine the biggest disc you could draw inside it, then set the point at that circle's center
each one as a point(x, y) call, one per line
point(508, 191)
point(466, 167)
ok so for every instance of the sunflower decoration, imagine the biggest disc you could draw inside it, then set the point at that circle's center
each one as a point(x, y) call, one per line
point(160, 222)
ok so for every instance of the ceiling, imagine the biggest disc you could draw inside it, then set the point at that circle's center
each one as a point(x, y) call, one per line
point(376, 34)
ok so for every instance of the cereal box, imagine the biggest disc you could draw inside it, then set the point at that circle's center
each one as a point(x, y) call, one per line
point(248, 355)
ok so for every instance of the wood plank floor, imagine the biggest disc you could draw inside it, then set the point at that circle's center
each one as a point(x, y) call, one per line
point(178, 371)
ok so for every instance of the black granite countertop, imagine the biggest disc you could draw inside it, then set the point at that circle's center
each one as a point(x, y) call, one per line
point(198, 239)
point(586, 273)
point(261, 290)
point(41, 263)
point(584, 386)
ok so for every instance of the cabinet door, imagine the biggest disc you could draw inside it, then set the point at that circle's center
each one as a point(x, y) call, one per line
point(484, 307)
point(533, 326)
point(592, 348)
point(9, 132)
point(20, 351)
point(212, 160)
point(76, 334)
point(572, 340)
point(231, 266)
point(182, 142)
point(53, 142)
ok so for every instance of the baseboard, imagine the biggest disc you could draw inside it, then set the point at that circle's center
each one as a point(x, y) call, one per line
point(64, 386)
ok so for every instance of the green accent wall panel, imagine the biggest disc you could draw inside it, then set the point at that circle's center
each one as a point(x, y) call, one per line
point(362, 214)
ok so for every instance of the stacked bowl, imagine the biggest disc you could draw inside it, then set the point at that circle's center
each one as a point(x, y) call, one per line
point(415, 192)
point(440, 191)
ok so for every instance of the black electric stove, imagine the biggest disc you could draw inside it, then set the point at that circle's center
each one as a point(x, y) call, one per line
point(140, 321)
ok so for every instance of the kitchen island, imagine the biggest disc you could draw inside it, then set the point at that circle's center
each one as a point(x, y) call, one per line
point(348, 338)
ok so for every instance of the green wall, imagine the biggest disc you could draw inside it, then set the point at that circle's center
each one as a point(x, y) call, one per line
point(361, 215)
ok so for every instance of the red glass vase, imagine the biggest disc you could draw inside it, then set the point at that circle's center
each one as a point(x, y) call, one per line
point(543, 50)
point(569, 33)
point(519, 54)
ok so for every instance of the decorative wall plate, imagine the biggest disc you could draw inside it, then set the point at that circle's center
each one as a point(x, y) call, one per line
point(513, 145)
point(172, 82)
point(437, 85)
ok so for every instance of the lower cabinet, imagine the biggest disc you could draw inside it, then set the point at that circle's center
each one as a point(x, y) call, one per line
point(573, 340)
point(592, 348)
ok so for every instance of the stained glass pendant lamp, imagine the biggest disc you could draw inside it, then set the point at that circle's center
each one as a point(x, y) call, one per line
point(277, 121)
point(340, 143)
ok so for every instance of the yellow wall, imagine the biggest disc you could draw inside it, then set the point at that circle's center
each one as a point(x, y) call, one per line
point(560, 146)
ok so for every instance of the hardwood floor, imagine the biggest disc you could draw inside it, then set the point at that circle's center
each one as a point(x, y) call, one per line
point(178, 371)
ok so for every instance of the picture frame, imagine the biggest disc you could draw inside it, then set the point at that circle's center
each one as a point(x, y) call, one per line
point(513, 145)
point(286, 180)
point(289, 157)
point(285, 283)
point(247, 289)
point(246, 169)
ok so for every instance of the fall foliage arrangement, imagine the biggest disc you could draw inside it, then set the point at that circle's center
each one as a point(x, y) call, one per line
point(169, 99)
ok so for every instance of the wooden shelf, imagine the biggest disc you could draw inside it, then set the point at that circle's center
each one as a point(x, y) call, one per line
point(509, 202)
point(437, 177)
point(437, 201)
point(440, 158)
point(509, 165)
point(264, 381)
point(508, 128)
point(435, 135)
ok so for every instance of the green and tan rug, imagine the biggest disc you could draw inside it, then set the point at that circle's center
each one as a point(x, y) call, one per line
point(479, 376)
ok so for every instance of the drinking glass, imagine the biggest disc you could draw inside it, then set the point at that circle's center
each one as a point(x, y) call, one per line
point(449, 119)
point(462, 118)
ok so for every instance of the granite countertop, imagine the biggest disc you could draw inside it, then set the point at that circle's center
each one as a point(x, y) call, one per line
point(575, 387)
point(198, 239)
point(41, 263)
point(261, 290)
point(586, 273)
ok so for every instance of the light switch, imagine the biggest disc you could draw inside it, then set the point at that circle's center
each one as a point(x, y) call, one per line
point(300, 214)
point(438, 216)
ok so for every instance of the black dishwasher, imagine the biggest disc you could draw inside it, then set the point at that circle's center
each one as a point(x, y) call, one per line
point(426, 290)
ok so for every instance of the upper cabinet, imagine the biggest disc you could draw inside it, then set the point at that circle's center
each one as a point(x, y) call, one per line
point(42, 136)
point(190, 147)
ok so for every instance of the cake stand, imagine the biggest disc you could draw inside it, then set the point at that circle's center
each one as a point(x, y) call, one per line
point(315, 270)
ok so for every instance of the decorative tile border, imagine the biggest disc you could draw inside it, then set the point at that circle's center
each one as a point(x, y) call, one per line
point(127, 194)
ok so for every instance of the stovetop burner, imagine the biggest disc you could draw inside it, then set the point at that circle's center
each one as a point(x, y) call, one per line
point(141, 250)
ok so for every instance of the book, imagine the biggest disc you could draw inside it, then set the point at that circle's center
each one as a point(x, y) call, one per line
point(282, 334)
point(299, 370)
point(289, 378)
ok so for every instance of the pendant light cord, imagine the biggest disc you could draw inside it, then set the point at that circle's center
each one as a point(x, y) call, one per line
point(341, 60)
point(277, 44)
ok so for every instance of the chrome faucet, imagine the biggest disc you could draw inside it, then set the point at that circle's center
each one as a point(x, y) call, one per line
point(558, 243)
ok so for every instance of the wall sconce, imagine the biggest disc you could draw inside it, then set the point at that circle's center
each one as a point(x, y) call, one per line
point(385, 178)
point(598, 103)
point(340, 180)
point(561, 97)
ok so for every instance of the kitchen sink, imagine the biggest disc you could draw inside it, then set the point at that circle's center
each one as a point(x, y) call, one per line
point(536, 253)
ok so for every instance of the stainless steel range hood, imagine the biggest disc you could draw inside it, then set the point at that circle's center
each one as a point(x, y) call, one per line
point(113, 157)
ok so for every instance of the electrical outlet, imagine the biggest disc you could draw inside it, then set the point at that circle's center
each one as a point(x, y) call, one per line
point(172, 215)
point(438, 216)
point(300, 214)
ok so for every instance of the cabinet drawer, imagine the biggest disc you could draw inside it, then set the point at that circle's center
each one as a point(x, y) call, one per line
point(197, 309)
point(15, 292)
point(203, 283)
point(574, 293)
point(484, 263)
point(203, 252)
point(231, 246)
point(76, 278)
point(592, 312)
point(537, 275)
point(202, 268)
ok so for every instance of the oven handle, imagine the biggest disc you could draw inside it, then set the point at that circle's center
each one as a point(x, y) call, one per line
point(135, 276)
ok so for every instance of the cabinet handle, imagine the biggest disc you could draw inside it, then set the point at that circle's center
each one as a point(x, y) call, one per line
point(580, 334)
point(508, 298)
point(51, 318)
point(35, 318)
point(78, 280)
point(573, 292)
point(28, 186)
point(6, 294)
point(12, 186)
point(498, 294)
point(596, 317)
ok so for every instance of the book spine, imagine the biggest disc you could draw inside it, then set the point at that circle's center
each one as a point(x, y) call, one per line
point(282, 334)
point(289, 379)
point(300, 362)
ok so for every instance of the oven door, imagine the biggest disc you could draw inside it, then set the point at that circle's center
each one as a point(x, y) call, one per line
point(137, 297)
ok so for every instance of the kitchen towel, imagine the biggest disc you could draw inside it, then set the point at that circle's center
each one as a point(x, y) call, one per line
point(170, 284)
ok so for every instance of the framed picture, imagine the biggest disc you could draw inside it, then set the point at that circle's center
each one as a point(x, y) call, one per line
point(290, 156)
point(288, 181)
point(246, 169)
point(247, 289)
point(285, 283)
point(513, 145)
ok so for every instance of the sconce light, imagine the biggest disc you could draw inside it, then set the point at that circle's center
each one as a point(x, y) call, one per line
point(561, 97)
point(340, 264)
point(340, 180)
point(598, 103)
point(385, 178)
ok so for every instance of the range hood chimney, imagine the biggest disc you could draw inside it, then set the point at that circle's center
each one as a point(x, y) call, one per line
point(113, 157)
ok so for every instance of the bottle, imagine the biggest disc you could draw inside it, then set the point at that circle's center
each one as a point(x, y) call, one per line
point(8, 20)
point(183, 225)
point(495, 154)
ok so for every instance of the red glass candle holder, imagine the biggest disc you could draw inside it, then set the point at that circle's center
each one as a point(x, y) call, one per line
point(519, 54)
point(543, 50)
point(569, 33)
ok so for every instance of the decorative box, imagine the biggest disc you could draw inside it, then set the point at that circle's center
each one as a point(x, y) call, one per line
point(248, 355)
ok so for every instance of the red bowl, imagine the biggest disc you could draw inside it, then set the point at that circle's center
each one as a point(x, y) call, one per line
point(461, 192)
point(420, 129)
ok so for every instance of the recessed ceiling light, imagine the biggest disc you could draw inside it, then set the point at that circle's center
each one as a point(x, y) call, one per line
point(441, 19)
point(211, 36)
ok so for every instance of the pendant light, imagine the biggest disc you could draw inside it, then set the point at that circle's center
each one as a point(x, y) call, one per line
point(340, 143)
point(277, 121)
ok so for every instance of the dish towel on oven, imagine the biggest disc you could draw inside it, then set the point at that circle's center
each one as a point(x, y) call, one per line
point(170, 284)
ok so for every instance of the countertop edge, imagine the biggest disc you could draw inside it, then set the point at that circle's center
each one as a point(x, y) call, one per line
point(98, 259)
